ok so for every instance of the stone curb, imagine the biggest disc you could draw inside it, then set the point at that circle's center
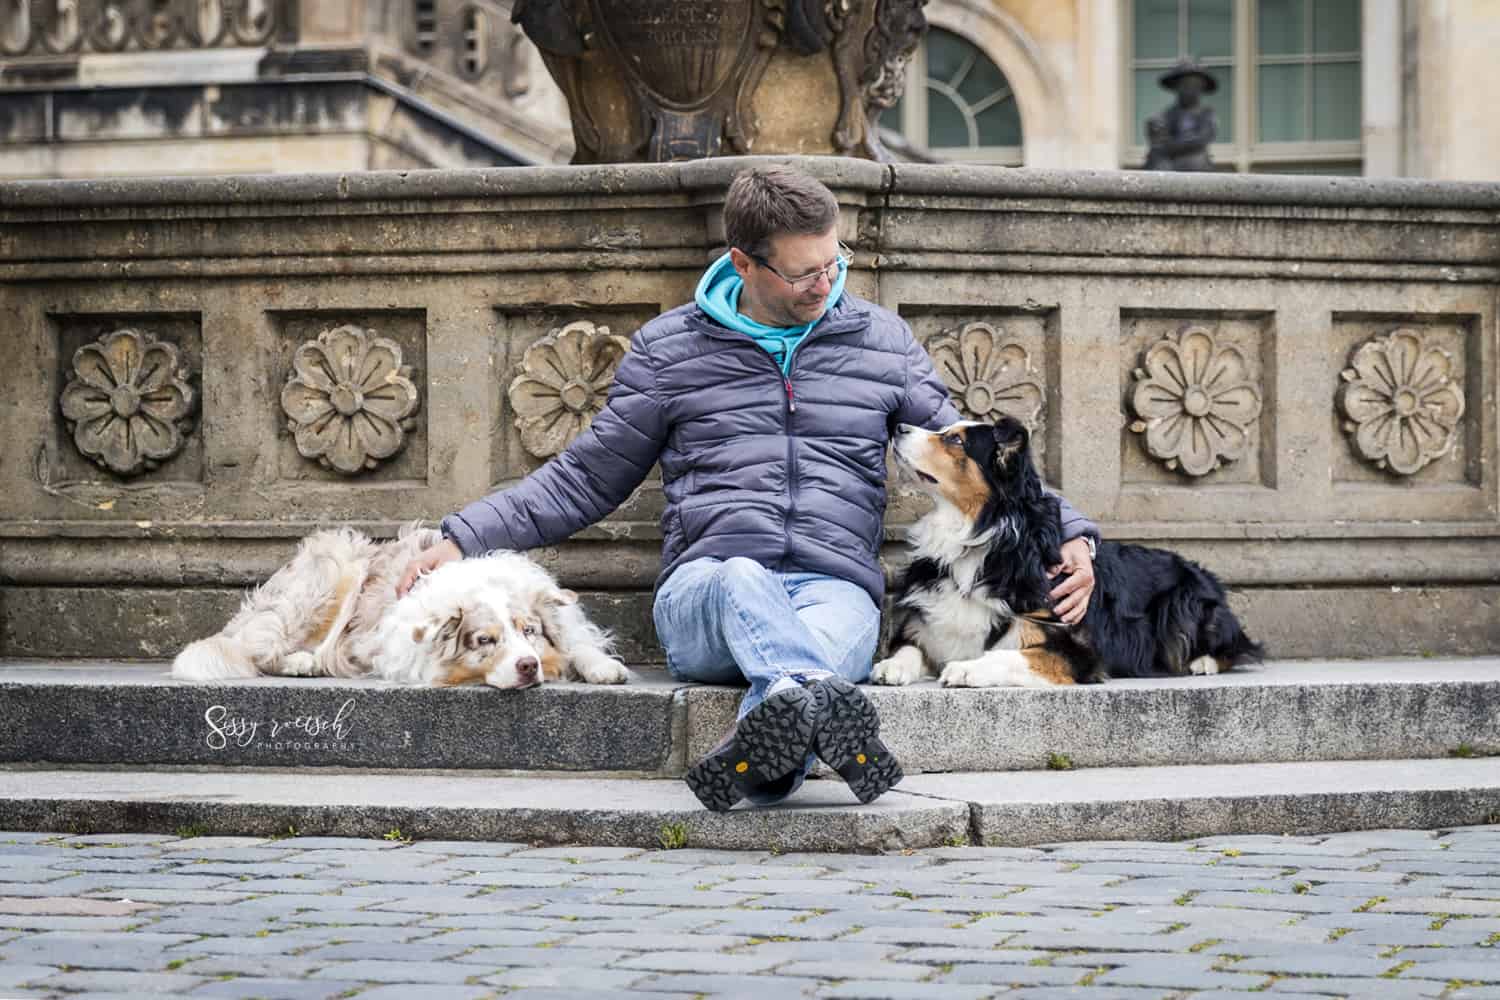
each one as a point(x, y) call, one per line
point(1283, 712)
point(996, 809)
point(1180, 803)
point(1278, 713)
point(824, 816)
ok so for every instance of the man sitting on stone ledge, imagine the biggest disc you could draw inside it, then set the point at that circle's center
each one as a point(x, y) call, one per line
point(768, 402)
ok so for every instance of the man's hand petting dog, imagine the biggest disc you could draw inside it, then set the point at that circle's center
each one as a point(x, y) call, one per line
point(1070, 599)
point(429, 560)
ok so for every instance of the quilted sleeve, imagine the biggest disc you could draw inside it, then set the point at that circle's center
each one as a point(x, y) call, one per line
point(593, 476)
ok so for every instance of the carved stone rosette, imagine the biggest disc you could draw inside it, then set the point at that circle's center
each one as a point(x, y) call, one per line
point(562, 383)
point(686, 70)
point(127, 401)
point(349, 399)
point(1194, 401)
point(988, 374)
point(1400, 402)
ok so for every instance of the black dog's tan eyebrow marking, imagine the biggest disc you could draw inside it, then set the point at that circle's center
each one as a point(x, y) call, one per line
point(963, 481)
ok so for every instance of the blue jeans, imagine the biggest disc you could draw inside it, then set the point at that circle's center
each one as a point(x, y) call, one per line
point(733, 621)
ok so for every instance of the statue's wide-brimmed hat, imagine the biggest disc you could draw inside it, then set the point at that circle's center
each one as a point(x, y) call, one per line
point(1188, 67)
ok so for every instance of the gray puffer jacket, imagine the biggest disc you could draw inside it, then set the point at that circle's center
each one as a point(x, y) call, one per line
point(787, 471)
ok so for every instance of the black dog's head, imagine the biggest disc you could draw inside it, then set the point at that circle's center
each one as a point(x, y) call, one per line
point(971, 465)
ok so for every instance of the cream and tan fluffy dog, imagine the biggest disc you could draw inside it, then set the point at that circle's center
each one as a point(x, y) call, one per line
point(333, 612)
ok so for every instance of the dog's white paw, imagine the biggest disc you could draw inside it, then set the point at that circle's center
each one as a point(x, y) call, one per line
point(892, 671)
point(903, 667)
point(299, 664)
point(960, 674)
point(1204, 665)
point(997, 668)
point(601, 670)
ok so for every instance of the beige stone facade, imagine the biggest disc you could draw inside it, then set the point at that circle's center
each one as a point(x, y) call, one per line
point(283, 86)
point(1422, 66)
point(270, 86)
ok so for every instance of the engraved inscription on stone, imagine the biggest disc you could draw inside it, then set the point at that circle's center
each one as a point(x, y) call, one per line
point(668, 24)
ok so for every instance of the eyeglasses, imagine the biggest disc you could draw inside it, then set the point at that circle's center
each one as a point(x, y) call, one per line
point(806, 282)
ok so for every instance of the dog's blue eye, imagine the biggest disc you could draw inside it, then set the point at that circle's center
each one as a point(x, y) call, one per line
point(952, 439)
point(529, 630)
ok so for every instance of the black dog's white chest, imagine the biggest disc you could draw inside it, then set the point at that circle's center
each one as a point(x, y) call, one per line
point(955, 625)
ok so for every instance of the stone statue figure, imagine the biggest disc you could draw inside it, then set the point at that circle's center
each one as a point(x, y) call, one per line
point(1179, 136)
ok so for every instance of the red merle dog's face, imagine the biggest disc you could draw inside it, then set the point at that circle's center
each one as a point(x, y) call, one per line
point(505, 646)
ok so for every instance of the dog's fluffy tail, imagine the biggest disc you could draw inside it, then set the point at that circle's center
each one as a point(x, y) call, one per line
point(216, 658)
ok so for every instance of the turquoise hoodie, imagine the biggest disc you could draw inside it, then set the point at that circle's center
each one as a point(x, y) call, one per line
point(719, 295)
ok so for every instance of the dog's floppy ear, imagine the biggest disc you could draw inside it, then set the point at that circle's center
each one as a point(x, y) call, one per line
point(1011, 439)
point(449, 631)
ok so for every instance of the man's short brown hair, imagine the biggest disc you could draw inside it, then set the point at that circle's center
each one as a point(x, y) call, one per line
point(763, 202)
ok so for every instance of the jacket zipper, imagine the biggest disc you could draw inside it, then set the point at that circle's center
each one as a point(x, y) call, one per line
point(791, 408)
point(791, 467)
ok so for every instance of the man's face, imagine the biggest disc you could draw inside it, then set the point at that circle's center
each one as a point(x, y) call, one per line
point(1189, 89)
point(769, 298)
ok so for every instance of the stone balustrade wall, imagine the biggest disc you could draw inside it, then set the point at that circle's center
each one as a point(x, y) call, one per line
point(1292, 380)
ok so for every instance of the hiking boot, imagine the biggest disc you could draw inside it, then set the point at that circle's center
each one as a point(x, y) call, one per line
point(848, 738)
point(769, 743)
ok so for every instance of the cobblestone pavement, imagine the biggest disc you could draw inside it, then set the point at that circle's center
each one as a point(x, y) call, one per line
point(1395, 913)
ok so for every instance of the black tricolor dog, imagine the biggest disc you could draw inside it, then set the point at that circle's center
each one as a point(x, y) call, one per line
point(974, 605)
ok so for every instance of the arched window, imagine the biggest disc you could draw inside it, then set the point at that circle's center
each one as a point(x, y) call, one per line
point(957, 104)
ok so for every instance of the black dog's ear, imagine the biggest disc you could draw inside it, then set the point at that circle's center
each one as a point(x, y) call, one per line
point(1011, 439)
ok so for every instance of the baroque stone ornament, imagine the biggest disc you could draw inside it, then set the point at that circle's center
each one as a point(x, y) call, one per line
point(888, 47)
point(57, 27)
point(562, 383)
point(1194, 402)
point(988, 374)
point(127, 401)
point(674, 79)
point(1401, 403)
point(349, 400)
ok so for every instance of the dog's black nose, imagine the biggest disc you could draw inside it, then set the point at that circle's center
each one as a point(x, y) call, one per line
point(526, 669)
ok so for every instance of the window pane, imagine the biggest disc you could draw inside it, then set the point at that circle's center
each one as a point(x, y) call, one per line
point(1336, 26)
point(946, 54)
point(1280, 27)
point(945, 123)
point(1336, 101)
point(1000, 124)
point(1210, 28)
point(1282, 98)
point(983, 80)
point(1223, 101)
point(1156, 29)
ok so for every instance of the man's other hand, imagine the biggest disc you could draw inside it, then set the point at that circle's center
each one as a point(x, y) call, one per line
point(430, 559)
point(1070, 599)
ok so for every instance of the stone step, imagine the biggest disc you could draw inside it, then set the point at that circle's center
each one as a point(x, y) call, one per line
point(993, 809)
point(136, 715)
